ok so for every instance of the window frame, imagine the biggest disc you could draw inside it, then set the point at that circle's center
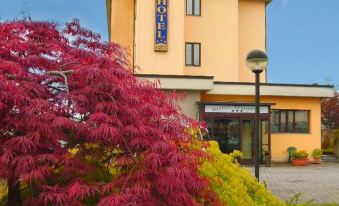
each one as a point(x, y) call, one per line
point(286, 129)
point(193, 8)
point(192, 54)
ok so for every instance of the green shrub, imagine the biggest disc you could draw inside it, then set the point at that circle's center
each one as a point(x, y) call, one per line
point(330, 139)
point(234, 185)
point(317, 153)
point(296, 200)
point(330, 150)
point(236, 155)
point(3, 191)
point(299, 154)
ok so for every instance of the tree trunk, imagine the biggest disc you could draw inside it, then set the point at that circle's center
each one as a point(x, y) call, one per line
point(14, 194)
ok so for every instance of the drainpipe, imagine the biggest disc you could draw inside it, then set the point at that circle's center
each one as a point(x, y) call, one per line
point(133, 46)
point(266, 4)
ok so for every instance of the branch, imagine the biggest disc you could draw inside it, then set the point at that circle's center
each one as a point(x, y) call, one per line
point(62, 74)
point(65, 65)
point(129, 175)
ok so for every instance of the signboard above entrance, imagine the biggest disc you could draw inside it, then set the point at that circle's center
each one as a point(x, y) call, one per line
point(234, 109)
point(161, 21)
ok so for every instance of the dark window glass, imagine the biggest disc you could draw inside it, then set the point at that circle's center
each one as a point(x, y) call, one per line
point(189, 55)
point(275, 121)
point(290, 121)
point(189, 7)
point(207, 134)
point(197, 8)
point(192, 52)
point(193, 7)
point(283, 121)
point(196, 54)
point(301, 121)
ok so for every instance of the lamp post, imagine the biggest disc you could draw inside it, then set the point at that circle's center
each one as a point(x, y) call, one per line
point(257, 63)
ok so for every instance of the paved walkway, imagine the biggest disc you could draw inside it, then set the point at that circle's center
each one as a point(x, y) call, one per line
point(317, 182)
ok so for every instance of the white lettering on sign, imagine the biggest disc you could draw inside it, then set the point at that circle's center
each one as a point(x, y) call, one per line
point(234, 109)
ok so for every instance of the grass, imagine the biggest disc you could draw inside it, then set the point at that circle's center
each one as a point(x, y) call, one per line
point(296, 201)
point(325, 204)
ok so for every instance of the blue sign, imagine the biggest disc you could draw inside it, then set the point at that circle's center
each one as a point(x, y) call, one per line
point(161, 21)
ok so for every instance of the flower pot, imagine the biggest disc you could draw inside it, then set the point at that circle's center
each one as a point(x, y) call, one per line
point(300, 162)
point(316, 160)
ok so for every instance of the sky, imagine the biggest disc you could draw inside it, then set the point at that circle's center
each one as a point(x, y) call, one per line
point(303, 41)
point(91, 13)
point(302, 35)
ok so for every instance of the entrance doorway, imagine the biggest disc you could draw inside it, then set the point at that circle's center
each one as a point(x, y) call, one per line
point(227, 133)
point(232, 126)
point(238, 134)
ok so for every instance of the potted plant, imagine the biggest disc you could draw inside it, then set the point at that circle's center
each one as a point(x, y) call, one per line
point(316, 154)
point(300, 158)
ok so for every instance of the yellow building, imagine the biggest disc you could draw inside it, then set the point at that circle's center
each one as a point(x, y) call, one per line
point(199, 47)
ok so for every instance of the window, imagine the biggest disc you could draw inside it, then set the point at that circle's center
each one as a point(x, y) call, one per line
point(193, 7)
point(192, 52)
point(296, 121)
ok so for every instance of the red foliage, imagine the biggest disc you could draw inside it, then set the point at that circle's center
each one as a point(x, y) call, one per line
point(61, 89)
point(330, 112)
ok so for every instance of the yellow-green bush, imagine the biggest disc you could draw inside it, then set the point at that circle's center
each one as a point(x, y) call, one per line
point(3, 190)
point(234, 185)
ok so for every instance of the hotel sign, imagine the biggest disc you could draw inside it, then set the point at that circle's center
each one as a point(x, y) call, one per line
point(234, 109)
point(161, 23)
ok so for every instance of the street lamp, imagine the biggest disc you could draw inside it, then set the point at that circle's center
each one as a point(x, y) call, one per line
point(257, 63)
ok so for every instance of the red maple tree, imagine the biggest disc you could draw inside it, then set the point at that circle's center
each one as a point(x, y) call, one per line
point(330, 112)
point(71, 112)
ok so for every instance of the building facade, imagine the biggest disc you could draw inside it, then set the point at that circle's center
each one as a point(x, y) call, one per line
point(199, 47)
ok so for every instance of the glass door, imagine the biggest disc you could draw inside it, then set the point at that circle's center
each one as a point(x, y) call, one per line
point(227, 133)
point(247, 139)
point(264, 140)
point(238, 134)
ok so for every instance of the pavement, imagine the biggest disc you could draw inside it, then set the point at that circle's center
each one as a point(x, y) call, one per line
point(316, 182)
